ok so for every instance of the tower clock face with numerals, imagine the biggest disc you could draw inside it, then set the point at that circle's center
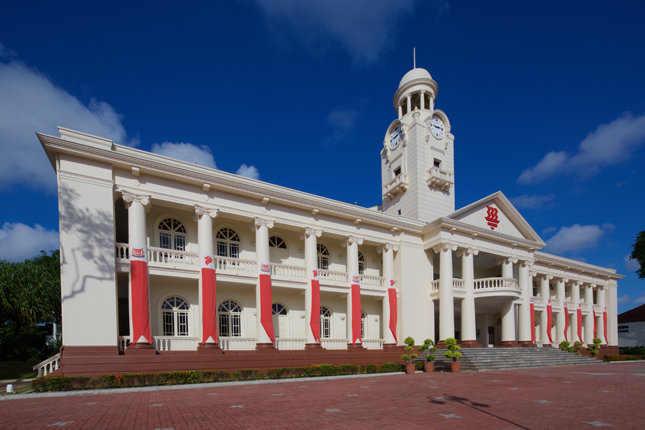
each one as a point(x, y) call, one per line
point(395, 137)
point(437, 127)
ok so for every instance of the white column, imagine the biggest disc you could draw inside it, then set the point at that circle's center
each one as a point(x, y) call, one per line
point(446, 302)
point(351, 243)
point(601, 322)
point(468, 328)
point(508, 323)
point(409, 99)
point(560, 294)
point(422, 94)
point(311, 262)
point(400, 110)
point(544, 317)
point(525, 306)
point(588, 319)
point(204, 218)
point(261, 228)
point(575, 298)
point(387, 251)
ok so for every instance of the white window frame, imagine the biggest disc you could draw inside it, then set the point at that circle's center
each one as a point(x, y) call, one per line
point(232, 318)
point(176, 317)
point(323, 256)
point(362, 265)
point(228, 244)
point(176, 232)
point(328, 319)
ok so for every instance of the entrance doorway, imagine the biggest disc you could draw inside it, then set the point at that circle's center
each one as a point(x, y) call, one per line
point(491, 335)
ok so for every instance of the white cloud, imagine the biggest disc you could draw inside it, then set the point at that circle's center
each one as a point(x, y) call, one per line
point(363, 28)
point(248, 172)
point(610, 144)
point(631, 264)
point(342, 121)
point(533, 202)
point(548, 230)
point(640, 300)
point(201, 155)
point(30, 102)
point(576, 238)
point(19, 241)
point(623, 300)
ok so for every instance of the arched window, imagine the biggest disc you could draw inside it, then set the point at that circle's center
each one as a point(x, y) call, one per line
point(278, 252)
point(325, 322)
point(323, 257)
point(228, 243)
point(230, 318)
point(361, 263)
point(172, 235)
point(174, 311)
point(280, 320)
point(363, 319)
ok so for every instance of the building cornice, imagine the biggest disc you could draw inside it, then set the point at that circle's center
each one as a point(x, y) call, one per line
point(575, 266)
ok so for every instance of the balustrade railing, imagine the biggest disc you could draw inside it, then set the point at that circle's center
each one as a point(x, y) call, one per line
point(373, 343)
point(435, 285)
point(175, 343)
point(334, 344)
point(331, 277)
point(373, 281)
point(285, 271)
point(46, 367)
point(121, 251)
point(124, 342)
point(170, 256)
point(236, 266)
point(458, 284)
point(496, 283)
point(290, 344)
point(237, 343)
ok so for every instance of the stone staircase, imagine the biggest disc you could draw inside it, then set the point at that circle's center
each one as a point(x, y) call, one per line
point(487, 359)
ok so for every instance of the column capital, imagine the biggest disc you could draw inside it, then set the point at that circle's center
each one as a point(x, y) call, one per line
point(444, 246)
point(561, 278)
point(259, 222)
point(351, 240)
point(467, 251)
point(408, 95)
point(201, 211)
point(308, 231)
point(526, 263)
point(387, 247)
point(541, 276)
point(507, 260)
point(130, 198)
point(592, 286)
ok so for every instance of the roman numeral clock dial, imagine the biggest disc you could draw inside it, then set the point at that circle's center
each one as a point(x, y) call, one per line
point(395, 137)
point(437, 127)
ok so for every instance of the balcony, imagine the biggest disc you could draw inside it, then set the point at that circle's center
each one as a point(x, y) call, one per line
point(484, 287)
point(397, 185)
point(441, 179)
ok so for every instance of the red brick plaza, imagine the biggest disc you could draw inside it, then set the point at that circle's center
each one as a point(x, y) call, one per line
point(556, 398)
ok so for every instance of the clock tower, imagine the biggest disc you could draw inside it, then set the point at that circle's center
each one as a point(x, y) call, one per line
point(417, 160)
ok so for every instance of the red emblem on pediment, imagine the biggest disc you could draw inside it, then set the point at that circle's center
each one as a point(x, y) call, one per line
point(491, 217)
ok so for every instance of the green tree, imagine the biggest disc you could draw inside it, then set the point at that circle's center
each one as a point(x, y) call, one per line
point(638, 254)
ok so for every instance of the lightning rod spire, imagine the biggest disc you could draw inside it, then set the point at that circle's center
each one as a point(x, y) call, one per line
point(414, 55)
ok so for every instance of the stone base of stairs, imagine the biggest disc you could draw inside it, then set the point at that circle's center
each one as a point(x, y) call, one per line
point(487, 359)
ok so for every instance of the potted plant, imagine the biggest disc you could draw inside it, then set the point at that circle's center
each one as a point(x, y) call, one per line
point(428, 345)
point(576, 347)
point(409, 356)
point(564, 345)
point(595, 348)
point(453, 352)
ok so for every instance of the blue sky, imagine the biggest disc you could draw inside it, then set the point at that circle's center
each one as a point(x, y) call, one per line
point(546, 102)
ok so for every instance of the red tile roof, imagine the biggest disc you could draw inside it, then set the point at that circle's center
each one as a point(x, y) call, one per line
point(634, 315)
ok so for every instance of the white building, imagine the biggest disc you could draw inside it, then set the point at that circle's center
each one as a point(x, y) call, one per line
point(141, 233)
point(631, 327)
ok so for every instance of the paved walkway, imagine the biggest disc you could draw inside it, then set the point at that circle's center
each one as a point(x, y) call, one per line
point(556, 398)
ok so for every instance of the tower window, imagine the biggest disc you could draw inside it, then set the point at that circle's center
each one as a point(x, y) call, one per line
point(397, 171)
point(399, 211)
point(437, 163)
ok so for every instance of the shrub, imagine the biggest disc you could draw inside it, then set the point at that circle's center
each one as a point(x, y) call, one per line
point(409, 355)
point(564, 345)
point(453, 349)
point(632, 350)
point(622, 357)
point(595, 348)
point(428, 345)
point(370, 368)
point(392, 367)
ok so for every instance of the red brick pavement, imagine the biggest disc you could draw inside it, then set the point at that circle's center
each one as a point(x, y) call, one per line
point(606, 393)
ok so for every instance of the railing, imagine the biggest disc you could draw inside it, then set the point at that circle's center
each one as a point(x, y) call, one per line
point(330, 277)
point(372, 281)
point(439, 178)
point(538, 301)
point(435, 285)
point(399, 181)
point(458, 284)
point(373, 343)
point(121, 251)
point(290, 344)
point(46, 367)
point(175, 343)
point(170, 256)
point(124, 342)
point(496, 283)
point(237, 343)
point(334, 343)
point(286, 271)
point(235, 265)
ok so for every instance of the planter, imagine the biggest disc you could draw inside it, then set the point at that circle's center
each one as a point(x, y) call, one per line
point(410, 368)
point(455, 366)
point(428, 366)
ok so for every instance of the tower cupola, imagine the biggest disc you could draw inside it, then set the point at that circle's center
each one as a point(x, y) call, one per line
point(418, 90)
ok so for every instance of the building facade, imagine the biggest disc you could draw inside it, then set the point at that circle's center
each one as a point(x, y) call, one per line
point(162, 255)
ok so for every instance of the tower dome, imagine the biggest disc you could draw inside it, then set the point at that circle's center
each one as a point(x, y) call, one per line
point(420, 75)
point(417, 84)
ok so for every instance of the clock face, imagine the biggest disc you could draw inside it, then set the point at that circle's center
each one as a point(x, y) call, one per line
point(395, 137)
point(436, 127)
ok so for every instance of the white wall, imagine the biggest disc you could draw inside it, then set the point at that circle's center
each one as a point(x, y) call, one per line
point(635, 335)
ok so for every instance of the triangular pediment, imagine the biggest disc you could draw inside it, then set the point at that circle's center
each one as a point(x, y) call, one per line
point(497, 214)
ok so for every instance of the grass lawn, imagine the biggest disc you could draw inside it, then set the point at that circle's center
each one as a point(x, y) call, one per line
point(16, 370)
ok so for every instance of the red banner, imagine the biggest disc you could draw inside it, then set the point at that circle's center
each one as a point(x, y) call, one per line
point(209, 307)
point(579, 321)
point(604, 323)
point(595, 324)
point(532, 321)
point(315, 309)
point(393, 316)
point(140, 302)
point(566, 321)
point(266, 306)
point(549, 319)
point(356, 313)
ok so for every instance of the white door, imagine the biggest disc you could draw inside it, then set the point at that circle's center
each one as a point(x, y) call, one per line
point(281, 326)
